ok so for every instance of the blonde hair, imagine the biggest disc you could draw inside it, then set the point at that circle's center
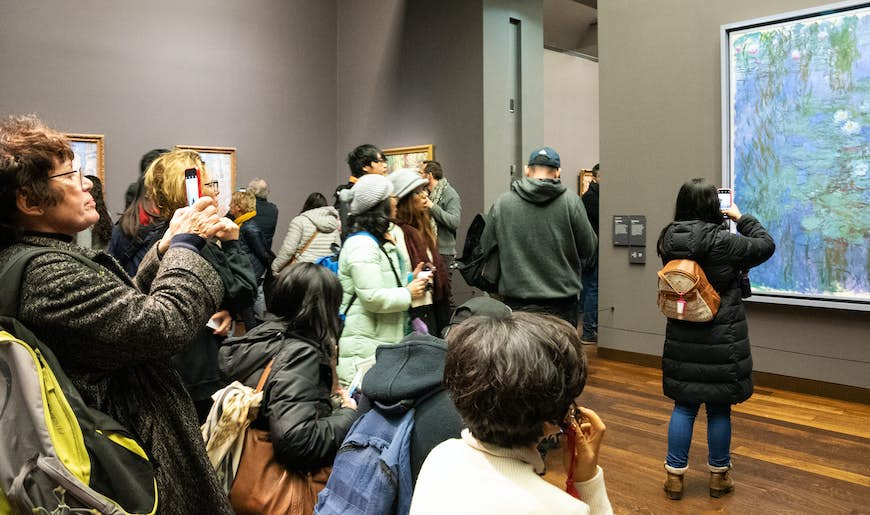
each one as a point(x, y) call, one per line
point(164, 179)
point(245, 200)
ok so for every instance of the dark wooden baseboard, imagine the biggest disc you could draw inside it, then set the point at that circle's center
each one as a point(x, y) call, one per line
point(761, 379)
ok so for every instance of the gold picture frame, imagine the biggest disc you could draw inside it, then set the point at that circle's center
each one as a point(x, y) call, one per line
point(90, 150)
point(408, 157)
point(584, 177)
point(220, 162)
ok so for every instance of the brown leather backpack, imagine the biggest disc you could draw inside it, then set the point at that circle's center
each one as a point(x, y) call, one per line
point(684, 292)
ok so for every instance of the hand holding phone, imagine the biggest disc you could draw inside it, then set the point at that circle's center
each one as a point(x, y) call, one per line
point(192, 185)
point(588, 430)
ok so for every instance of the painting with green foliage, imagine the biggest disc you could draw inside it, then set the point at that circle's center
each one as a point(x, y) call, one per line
point(800, 150)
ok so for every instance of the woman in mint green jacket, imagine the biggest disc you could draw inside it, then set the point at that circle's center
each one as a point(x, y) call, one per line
point(374, 272)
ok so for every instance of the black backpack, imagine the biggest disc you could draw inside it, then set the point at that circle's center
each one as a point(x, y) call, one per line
point(479, 264)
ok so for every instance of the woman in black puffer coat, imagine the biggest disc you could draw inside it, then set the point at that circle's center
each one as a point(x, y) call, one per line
point(306, 427)
point(708, 362)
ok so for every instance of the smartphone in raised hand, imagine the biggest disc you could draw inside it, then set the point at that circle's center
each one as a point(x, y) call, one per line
point(192, 185)
point(725, 198)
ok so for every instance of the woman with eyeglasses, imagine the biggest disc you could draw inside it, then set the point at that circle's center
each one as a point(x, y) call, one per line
point(113, 336)
point(197, 364)
point(378, 280)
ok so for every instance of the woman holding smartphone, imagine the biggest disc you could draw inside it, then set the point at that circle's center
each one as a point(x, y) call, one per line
point(515, 380)
point(166, 185)
point(708, 362)
point(113, 336)
point(376, 276)
point(412, 218)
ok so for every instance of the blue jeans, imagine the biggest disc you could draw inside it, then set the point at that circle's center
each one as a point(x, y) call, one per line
point(589, 303)
point(718, 434)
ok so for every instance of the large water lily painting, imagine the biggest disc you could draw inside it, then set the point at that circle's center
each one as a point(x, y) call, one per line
point(797, 148)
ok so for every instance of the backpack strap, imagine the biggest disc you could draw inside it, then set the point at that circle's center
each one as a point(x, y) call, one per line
point(390, 261)
point(12, 274)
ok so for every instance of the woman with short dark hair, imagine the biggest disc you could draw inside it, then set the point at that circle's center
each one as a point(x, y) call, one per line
point(113, 337)
point(514, 380)
point(708, 362)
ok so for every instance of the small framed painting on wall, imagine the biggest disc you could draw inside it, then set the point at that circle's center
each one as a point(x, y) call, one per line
point(408, 157)
point(90, 152)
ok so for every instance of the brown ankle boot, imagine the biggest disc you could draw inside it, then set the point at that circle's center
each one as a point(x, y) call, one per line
point(720, 481)
point(674, 483)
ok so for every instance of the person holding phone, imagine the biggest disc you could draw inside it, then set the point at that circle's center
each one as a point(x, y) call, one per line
point(412, 217)
point(113, 336)
point(710, 362)
point(166, 183)
point(514, 380)
point(375, 274)
point(300, 343)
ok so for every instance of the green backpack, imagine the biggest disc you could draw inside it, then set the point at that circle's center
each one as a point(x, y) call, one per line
point(57, 455)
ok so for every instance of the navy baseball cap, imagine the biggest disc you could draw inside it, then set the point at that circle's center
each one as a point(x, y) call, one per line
point(545, 156)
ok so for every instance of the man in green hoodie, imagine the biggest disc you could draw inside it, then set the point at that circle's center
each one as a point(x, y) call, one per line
point(543, 236)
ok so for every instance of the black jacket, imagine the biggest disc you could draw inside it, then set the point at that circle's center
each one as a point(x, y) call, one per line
point(590, 202)
point(711, 361)
point(409, 375)
point(252, 241)
point(306, 431)
point(266, 219)
point(343, 208)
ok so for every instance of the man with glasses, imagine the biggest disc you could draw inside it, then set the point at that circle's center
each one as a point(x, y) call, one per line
point(364, 159)
point(445, 208)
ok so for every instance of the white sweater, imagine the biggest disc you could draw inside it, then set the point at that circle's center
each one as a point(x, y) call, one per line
point(467, 476)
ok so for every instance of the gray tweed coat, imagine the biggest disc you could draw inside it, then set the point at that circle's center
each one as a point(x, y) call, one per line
point(114, 338)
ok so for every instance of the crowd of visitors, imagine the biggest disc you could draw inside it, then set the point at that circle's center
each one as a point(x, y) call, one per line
point(422, 407)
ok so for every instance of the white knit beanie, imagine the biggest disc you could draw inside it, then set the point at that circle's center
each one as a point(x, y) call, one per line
point(369, 191)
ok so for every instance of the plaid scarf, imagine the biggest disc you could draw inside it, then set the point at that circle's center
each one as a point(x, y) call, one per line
point(435, 197)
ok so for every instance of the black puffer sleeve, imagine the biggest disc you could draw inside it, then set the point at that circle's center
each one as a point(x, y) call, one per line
point(305, 431)
point(754, 247)
point(237, 276)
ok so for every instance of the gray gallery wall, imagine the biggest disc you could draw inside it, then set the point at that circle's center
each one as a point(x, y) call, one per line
point(571, 112)
point(161, 73)
point(660, 125)
point(409, 74)
point(413, 73)
point(500, 125)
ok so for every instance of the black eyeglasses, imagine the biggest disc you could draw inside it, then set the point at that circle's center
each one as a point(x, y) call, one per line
point(381, 160)
point(81, 176)
point(214, 185)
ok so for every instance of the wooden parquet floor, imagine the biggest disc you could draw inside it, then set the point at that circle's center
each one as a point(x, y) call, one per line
point(791, 452)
